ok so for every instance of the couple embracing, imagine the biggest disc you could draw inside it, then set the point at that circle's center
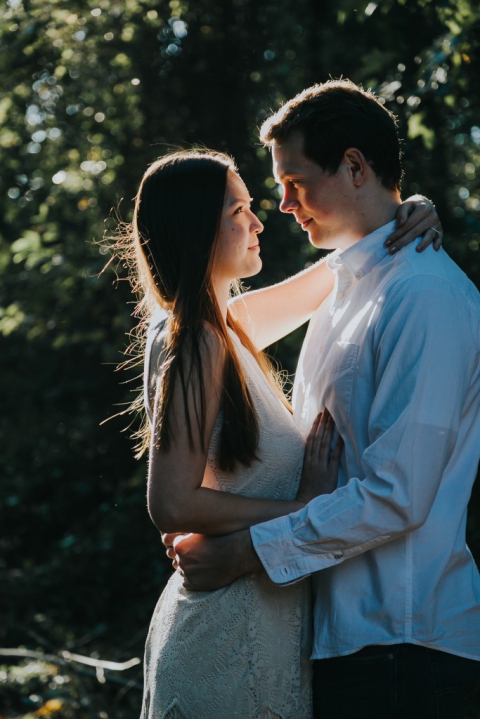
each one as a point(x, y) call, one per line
point(326, 549)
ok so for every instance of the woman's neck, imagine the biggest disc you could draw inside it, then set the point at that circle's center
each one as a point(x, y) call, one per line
point(222, 293)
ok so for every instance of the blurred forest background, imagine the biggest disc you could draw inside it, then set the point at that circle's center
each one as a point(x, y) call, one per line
point(91, 93)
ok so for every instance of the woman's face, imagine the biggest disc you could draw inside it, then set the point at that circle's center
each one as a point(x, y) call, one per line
point(238, 250)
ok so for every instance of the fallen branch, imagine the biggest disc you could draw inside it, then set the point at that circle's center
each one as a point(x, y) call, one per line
point(64, 659)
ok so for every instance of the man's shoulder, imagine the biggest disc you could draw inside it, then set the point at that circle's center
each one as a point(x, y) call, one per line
point(430, 271)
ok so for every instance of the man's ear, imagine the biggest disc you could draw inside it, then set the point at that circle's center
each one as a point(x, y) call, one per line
point(356, 165)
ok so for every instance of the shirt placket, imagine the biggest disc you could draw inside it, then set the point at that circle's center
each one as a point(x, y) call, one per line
point(343, 284)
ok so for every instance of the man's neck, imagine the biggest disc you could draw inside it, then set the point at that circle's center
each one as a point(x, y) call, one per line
point(370, 215)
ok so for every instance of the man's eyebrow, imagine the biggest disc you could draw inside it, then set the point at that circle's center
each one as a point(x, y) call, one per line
point(286, 176)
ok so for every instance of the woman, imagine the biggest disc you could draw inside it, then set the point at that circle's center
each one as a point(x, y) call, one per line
point(224, 451)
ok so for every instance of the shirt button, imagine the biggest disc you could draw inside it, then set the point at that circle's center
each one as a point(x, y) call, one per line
point(284, 570)
point(358, 274)
point(338, 556)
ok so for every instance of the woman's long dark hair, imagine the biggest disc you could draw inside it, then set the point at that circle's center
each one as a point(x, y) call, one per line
point(170, 249)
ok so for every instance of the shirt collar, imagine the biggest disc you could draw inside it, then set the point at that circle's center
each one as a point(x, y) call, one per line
point(359, 259)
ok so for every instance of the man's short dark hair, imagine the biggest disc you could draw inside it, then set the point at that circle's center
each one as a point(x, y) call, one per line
point(334, 116)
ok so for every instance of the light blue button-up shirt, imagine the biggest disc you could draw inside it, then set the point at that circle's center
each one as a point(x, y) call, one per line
point(394, 354)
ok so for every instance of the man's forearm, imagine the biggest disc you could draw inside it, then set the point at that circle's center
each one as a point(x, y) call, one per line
point(248, 557)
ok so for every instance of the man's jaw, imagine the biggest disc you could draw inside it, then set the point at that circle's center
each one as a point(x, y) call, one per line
point(317, 235)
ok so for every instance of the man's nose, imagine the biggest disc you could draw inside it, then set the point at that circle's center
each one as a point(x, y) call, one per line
point(288, 203)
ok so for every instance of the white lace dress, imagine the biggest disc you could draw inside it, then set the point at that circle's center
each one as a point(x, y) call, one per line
point(241, 651)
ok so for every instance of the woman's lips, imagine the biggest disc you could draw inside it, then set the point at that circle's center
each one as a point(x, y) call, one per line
point(305, 223)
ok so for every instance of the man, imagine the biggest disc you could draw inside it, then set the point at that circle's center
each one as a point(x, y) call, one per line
point(395, 357)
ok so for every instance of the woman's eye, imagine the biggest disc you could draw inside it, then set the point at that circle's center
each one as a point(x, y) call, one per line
point(238, 210)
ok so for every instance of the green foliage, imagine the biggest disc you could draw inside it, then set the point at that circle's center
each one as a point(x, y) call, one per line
point(92, 92)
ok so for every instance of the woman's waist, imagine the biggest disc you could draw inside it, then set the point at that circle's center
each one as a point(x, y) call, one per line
point(257, 588)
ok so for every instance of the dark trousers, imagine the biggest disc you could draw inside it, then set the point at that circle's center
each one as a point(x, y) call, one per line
point(402, 681)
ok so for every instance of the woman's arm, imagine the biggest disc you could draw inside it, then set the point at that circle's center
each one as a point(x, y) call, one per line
point(269, 314)
point(177, 502)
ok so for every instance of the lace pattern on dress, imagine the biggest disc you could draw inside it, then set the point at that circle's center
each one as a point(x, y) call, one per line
point(241, 652)
point(174, 712)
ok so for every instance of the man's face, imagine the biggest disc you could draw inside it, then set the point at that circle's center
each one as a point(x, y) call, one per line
point(319, 201)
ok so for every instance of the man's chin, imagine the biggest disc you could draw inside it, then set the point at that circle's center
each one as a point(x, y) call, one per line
point(322, 241)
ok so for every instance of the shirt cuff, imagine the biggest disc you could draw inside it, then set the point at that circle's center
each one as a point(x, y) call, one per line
point(282, 559)
point(268, 543)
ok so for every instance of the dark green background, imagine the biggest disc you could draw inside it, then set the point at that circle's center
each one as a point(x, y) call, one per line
point(91, 92)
